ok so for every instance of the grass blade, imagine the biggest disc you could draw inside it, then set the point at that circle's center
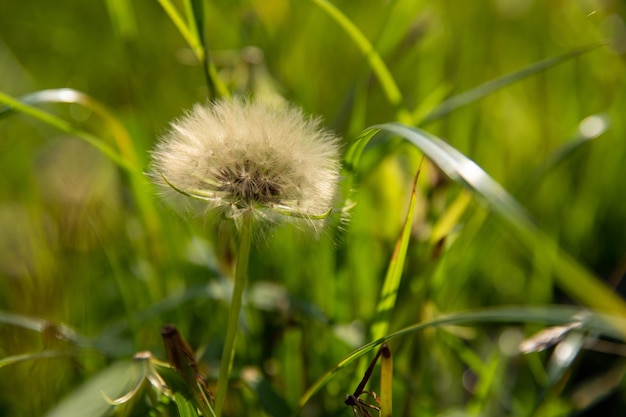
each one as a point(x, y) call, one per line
point(125, 158)
point(375, 61)
point(71, 96)
point(389, 291)
point(572, 277)
point(386, 384)
point(64, 126)
point(46, 354)
point(600, 324)
point(197, 22)
point(589, 128)
point(463, 99)
point(185, 408)
point(188, 34)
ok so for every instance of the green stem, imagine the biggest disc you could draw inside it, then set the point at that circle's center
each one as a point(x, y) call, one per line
point(241, 276)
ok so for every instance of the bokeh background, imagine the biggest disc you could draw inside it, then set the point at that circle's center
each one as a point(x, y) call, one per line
point(79, 247)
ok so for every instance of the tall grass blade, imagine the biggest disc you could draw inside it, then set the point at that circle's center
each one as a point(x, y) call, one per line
point(386, 384)
point(450, 218)
point(572, 277)
point(389, 291)
point(197, 23)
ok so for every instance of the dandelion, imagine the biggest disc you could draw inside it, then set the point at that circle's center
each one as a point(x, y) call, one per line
point(244, 158)
point(255, 164)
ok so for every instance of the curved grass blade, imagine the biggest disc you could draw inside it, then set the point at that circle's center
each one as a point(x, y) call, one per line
point(64, 126)
point(572, 277)
point(375, 61)
point(71, 96)
point(601, 324)
point(489, 87)
point(389, 291)
point(126, 158)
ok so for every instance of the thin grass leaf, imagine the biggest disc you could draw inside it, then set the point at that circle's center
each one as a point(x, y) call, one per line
point(488, 381)
point(375, 61)
point(434, 99)
point(601, 324)
point(64, 126)
point(450, 218)
point(589, 129)
point(214, 83)
point(126, 158)
point(572, 277)
point(71, 96)
point(389, 291)
point(491, 86)
point(188, 34)
point(357, 100)
point(386, 384)
point(191, 18)
point(185, 408)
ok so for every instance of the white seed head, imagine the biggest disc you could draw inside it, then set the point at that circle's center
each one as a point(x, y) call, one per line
point(250, 158)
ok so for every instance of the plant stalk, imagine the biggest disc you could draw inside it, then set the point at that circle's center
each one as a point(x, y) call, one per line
point(241, 276)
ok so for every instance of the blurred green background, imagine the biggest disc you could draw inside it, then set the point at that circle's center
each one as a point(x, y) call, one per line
point(80, 247)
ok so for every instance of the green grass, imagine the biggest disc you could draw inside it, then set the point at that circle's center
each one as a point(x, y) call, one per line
point(517, 222)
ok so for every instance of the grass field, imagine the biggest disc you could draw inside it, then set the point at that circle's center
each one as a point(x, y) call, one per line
point(496, 282)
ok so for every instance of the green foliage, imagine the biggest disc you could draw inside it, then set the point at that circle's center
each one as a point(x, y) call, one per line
point(516, 223)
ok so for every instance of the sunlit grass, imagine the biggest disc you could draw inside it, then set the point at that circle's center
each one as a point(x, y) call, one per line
point(516, 223)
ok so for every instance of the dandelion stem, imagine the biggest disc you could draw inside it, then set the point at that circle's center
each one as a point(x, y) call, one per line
point(241, 276)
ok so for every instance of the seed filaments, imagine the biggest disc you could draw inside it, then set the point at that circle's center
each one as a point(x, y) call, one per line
point(250, 159)
point(248, 184)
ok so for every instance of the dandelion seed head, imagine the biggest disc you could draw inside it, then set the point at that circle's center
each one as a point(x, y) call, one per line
point(243, 157)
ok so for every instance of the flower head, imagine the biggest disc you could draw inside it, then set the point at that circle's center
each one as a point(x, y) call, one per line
point(245, 158)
